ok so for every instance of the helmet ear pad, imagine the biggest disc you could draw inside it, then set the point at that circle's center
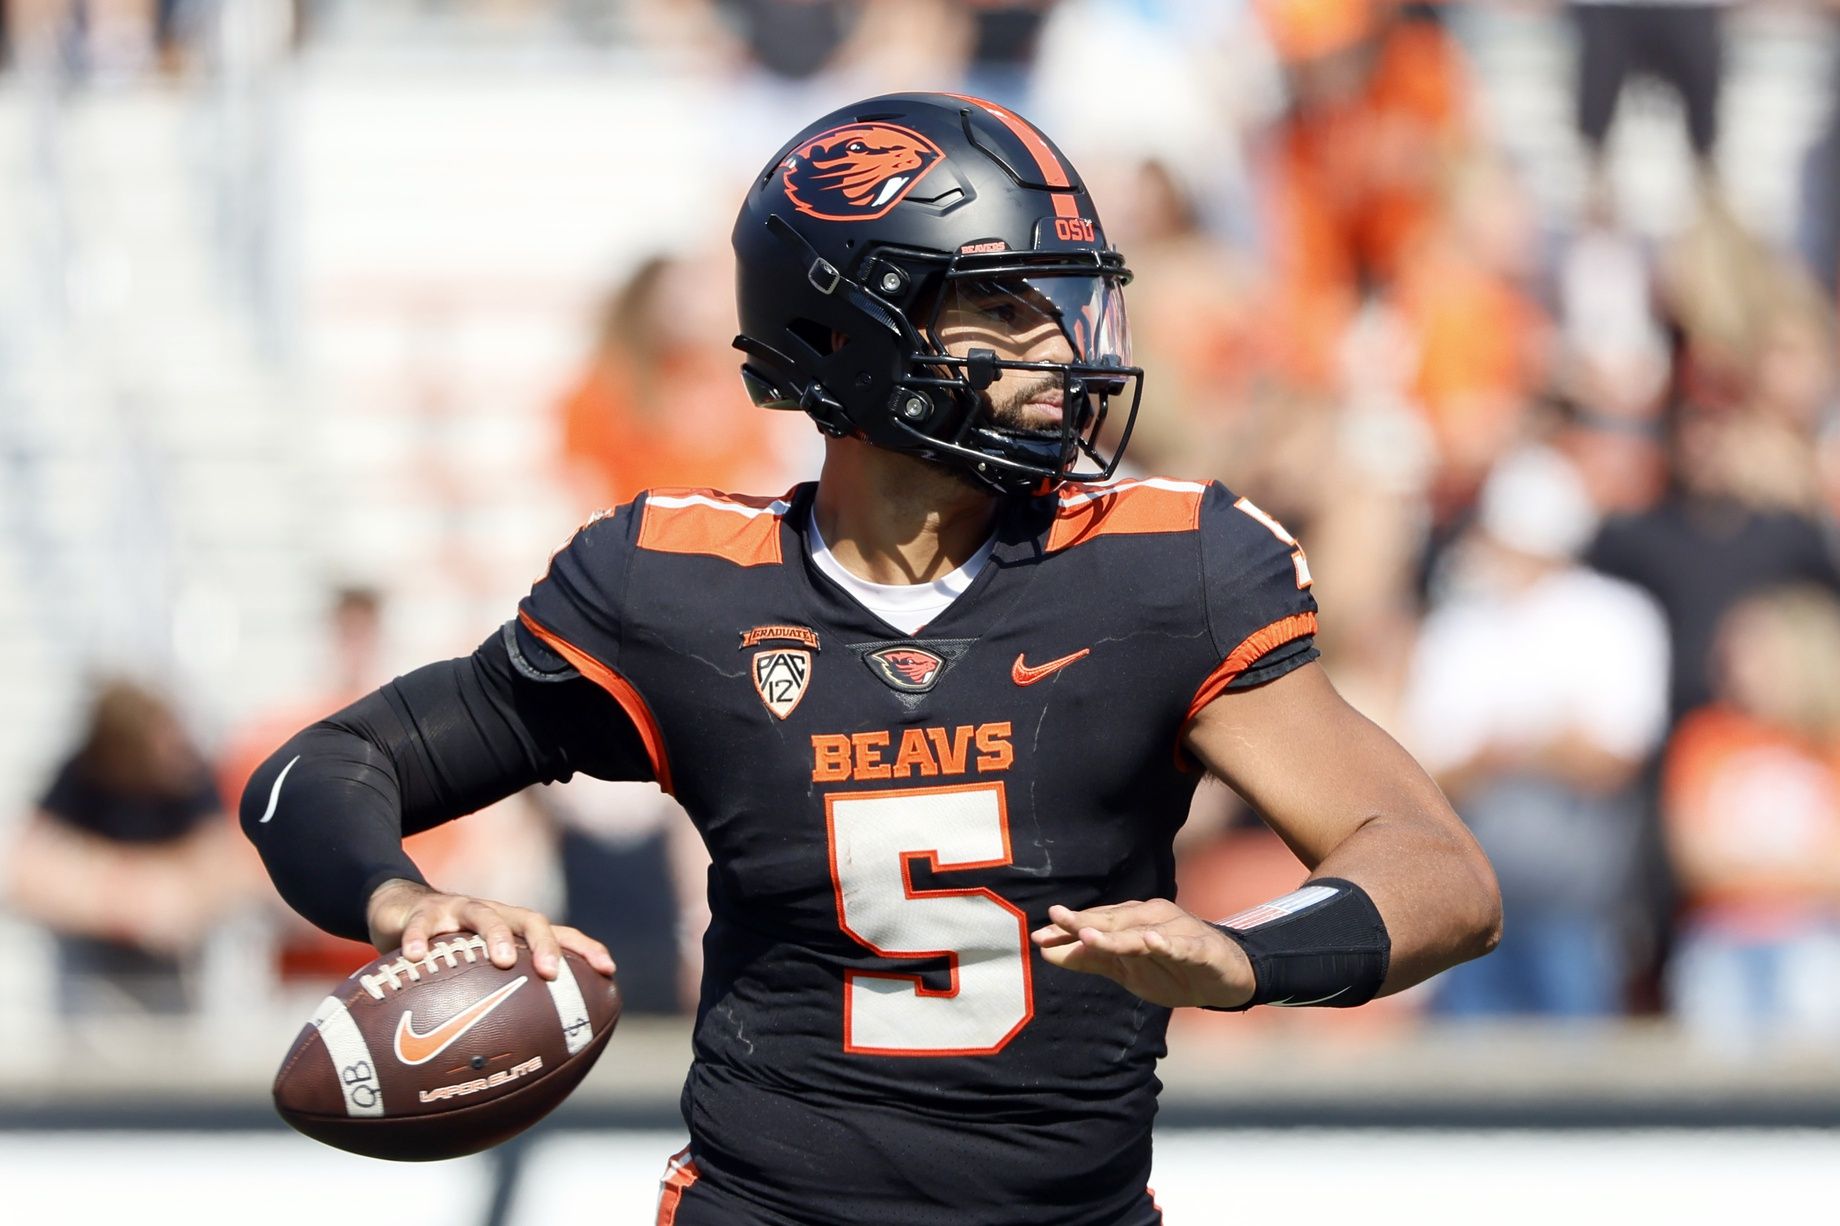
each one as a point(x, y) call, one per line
point(892, 408)
point(851, 353)
point(851, 361)
point(822, 344)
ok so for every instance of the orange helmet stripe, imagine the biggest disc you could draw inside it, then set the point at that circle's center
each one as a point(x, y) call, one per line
point(1052, 172)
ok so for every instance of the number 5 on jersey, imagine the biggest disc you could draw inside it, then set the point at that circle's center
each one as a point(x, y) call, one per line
point(875, 837)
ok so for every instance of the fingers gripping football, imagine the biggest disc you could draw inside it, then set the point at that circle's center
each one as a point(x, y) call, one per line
point(1155, 949)
point(409, 914)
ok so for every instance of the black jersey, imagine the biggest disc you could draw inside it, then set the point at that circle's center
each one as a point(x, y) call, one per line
point(889, 815)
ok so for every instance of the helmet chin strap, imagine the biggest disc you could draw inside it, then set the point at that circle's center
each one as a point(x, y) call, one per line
point(1053, 447)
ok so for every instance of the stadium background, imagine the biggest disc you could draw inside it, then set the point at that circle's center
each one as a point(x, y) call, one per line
point(323, 323)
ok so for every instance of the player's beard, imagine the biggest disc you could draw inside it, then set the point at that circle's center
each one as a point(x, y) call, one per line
point(1010, 411)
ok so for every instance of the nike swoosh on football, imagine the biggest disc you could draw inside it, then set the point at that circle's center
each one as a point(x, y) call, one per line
point(1023, 674)
point(274, 793)
point(413, 1048)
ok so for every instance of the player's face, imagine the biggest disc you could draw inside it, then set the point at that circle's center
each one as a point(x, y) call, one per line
point(1044, 319)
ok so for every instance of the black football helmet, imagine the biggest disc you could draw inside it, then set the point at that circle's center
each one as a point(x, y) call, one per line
point(883, 218)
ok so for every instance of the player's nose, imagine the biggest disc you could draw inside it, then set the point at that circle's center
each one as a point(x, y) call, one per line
point(1050, 345)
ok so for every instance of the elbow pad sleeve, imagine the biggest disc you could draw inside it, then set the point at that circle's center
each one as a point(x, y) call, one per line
point(326, 815)
point(328, 810)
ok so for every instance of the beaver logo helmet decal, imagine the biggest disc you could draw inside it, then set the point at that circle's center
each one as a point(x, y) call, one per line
point(857, 172)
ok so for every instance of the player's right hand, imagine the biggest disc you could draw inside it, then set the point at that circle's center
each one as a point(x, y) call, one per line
point(1154, 948)
point(407, 913)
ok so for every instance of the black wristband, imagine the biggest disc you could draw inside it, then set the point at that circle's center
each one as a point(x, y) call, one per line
point(1323, 944)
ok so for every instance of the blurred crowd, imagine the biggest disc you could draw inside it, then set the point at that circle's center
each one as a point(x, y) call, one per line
point(1568, 487)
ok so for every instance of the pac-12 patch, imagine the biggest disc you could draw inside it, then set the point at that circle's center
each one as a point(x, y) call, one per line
point(780, 678)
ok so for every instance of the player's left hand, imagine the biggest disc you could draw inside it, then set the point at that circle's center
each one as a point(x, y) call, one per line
point(1155, 949)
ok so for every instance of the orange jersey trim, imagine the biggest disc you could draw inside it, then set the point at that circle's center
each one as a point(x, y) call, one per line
point(630, 700)
point(1153, 504)
point(1052, 172)
point(1256, 644)
point(679, 1175)
point(738, 528)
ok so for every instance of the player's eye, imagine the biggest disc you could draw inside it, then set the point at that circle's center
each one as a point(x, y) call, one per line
point(999, 310)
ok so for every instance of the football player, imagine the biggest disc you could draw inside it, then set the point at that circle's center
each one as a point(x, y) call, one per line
point(938, 716)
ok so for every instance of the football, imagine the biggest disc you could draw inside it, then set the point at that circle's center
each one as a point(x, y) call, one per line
point(445, 1055)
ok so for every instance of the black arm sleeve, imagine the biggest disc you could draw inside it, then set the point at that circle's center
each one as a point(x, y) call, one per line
point(329, 809)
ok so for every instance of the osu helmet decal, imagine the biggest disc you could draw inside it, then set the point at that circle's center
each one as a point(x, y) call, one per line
point(857, 172)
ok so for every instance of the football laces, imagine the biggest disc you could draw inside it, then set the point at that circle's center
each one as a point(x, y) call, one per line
point(448, 953)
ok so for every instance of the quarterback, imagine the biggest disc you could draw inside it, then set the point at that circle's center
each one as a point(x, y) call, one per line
point(938, 716)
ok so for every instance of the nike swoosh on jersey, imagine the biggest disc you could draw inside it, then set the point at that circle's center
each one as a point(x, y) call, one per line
point(274, 793)
point(1023, 674)
point(413, 1048)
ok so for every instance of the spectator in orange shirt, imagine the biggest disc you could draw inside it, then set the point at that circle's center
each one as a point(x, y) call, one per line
point(1379, 195)
point(1751, 806)
point(1479, 336)
point(1356, 167)
point(655, 405)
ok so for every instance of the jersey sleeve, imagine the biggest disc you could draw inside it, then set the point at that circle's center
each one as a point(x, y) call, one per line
point(1261, 616)
point(575, 620)
point(580, 600)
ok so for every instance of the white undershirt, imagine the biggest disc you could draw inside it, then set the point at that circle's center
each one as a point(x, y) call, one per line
point(906, 606)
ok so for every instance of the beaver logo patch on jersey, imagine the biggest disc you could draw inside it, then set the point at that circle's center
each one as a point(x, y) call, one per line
point(780, 677)
point(912, 670)
point(857, 172)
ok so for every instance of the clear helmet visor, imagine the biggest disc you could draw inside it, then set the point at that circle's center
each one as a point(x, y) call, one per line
point(1037, 348)
point(1063, 318)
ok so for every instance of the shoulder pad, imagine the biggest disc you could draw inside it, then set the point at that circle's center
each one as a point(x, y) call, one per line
point(1146, 505)
point(740, 528)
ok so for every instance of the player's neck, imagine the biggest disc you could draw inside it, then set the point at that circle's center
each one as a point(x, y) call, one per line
point(890, 518)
